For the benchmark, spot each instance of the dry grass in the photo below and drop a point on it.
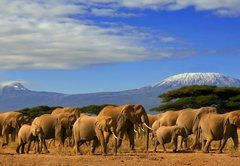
(139, 146)
(67, 157)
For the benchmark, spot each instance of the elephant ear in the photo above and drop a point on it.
(128, 112)
(101, 123)
(234, 118)
(72, 118)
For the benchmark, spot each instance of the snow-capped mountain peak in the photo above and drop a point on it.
(187, 79)
(12, 87)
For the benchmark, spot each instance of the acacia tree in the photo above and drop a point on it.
(196, 96)
(44, 109)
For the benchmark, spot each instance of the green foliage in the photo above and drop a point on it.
(40, 110)
(196, 96)
(37, 111)
(93, 109)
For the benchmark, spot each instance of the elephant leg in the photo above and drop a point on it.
(18, 147)
(22, 149)
(100, 137)
(147, 138)
(156, 143)
(5, 138)
(206, 147)
(174, 143)
(185, 141)
(36, 144)
(45, 146)
(95, 144)
(195, 141)
(78, 144)
(13, 136)
(224, 141)
(29, 145)
(235, 140)
(121, 134)
(130, 134)
(164, 149)
(219, 146)
(180, 143)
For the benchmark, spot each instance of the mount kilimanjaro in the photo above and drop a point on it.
(15, 96)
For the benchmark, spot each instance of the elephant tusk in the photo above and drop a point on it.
(142, 129)
(115, 136)
(147, 126)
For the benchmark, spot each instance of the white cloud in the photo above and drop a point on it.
(40, 35)
(10, 82)
(111, 13)
(167, 39)
(219, 7)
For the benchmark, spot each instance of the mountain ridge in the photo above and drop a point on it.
(16, 96)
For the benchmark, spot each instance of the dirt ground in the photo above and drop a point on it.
(229, 158)
(67, 157)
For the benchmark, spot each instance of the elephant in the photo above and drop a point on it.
(88, 128)
(219, 127)
(27, 134)
(73, 112)
(125, 117)
(10, 122)
(188, 119)
(167, 118)
(152, 118)
(25, 120)
(166, 134)
(54, 127)
(68, 110)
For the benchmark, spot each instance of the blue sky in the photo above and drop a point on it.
(108, 45)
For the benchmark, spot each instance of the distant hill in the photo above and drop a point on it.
(15, 96)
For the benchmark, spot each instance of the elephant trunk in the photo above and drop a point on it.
(145, 122)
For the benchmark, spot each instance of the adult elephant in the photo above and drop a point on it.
(152, 118)
(54, 127)
(88, 128)
(73, 112)
(67, 110)
(10, 122)
(188, 119)
(219, 127)
(126, 116)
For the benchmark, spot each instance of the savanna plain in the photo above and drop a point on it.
(67, 156)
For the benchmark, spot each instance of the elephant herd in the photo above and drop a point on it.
(69, 125)
(204, 124)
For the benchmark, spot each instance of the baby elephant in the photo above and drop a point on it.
(166, 134)
(27, 134)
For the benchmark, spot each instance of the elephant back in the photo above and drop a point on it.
(69, 110)
(112, 111)
(47, 123)
(24, 133)
(84, 127)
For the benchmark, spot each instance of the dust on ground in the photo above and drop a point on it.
(9, 157)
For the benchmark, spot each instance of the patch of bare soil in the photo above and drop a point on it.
(9, 157)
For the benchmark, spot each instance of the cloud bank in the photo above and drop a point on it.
(38, 34)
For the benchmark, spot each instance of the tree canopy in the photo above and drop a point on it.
(196, 96)
(37, 111)
(40, 110)
(93, 109)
